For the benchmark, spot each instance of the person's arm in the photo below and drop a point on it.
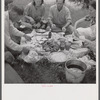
(11, 44)
(93, 47)
(29, 19)
(27, 10)
(50, 17)
(27, 14)
(68, 18)
(43, 13)
(68, 23)
(8, 41)
(14, 46)
(92, 38)
(26, 24)
(16, 32)
(79, 21)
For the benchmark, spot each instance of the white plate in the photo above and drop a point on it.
(40, 30)
(58, 57)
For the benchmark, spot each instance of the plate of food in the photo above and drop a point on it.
(40, 30)
(57, 57)
(50, 46)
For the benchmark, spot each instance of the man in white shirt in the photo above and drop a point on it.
(11, 16)
(59, 16)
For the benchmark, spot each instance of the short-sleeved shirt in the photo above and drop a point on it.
(59, 18)
(31, 11)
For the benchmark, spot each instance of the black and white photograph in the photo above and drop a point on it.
(50, 42)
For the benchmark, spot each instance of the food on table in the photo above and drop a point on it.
(50, 46)
(62, 45)
(62, 39)
(32, 57)
(58, 57)
(69, 38)
(76, 44)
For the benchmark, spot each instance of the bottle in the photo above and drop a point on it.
(50, 34)
(62, 45)
(67, 45)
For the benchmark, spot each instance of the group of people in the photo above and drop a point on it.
(33, 16)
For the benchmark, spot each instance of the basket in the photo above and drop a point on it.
(75, 71)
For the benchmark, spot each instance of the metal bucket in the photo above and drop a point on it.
(75, 71)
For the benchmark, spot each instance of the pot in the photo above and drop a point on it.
(75, 71)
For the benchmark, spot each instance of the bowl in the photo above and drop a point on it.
(57, 57)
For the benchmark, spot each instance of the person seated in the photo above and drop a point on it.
(89, 32)
(34, 13)
(11, 16)
(60, 18)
